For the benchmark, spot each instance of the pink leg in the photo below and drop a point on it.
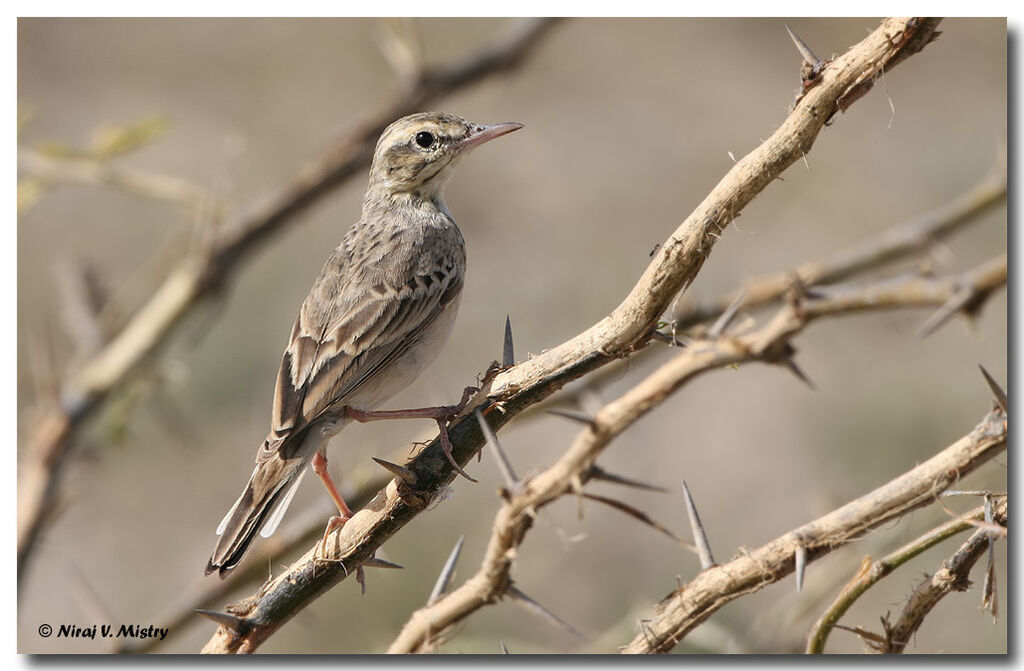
(440, 414)
(320, 468)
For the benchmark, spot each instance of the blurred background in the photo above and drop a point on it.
(629, 123)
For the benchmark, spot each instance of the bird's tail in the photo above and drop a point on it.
(258, 510)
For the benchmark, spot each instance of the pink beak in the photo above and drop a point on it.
(486, 133)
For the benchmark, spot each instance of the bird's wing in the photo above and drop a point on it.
(354, 322)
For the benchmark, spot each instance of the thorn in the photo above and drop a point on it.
(805, 51)
(377, 562)
(504, 650)
(574, 415)
(997, 391)
(635, 513)
(699, 536)
(598, 473)
(790, 365)
(967, 492)
(402, 472)
(989, 599)
(801, 564)
(361, 579)
(955, 303)
(666, 338)
(726, 317)
(446, 572)
(232, 622)
(508, 355)
(511, 481)
(532, 606)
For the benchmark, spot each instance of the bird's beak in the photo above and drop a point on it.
(486, 133)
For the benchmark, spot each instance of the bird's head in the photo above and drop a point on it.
(416, 153)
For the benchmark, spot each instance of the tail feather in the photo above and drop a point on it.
(266, 495)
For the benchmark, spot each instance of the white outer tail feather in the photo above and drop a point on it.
(275, 519)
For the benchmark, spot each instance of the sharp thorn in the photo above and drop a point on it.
(801, 564)
(361, 579)
(955, 303)
(504, 650)
(699, 536)
(232, 622)
(790, 365)
(804, 50)
(997, 391)
(446, 573)
(574, 415)
(508, 352)
(637, 514)
(376, 562)
(402, 472)
(532, 606)
(509, 475)
(598, 473)
(726, 317)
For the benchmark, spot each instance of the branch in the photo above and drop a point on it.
(629, 326)
(951, 576)
(101, 173)
(895, 243)
(208, 270)
(575, 468)
(684, 609)
(872, 571)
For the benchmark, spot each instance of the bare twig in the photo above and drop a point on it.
(200, 274)
(629, 326)
(685, 608)
(896, 243)
(873, 570)
(951, 576)
(102, 173)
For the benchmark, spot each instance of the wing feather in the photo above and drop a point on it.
(356, 320)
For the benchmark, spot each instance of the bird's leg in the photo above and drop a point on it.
(440, 414)
(320, 468)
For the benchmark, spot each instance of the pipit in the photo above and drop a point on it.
(378, 313)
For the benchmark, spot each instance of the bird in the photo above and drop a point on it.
(378, 313)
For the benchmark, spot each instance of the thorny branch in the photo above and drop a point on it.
(895, 243)
(951, 576)
(688, 606)
(208, 270)
(628, 327)
(871, 571)
(568, 475)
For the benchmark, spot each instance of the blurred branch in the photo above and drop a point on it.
(628, 327)
(952, 576)
(689, 605)
(200, 274)
(872, 571)
(94, 172)
(568, 475)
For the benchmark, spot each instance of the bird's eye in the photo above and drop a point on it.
(425, 139)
